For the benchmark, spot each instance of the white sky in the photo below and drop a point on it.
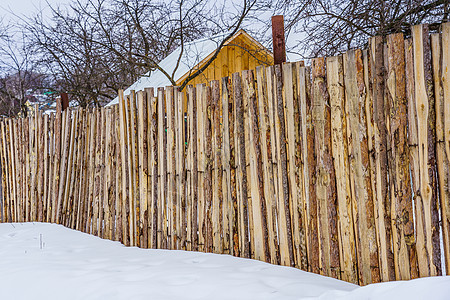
(24, 7)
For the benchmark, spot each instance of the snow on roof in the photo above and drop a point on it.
(193, 53)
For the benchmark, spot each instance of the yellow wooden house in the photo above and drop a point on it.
(240, 52)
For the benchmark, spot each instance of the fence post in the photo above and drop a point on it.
(278, 41)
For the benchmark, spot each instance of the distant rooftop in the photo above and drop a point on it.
(193, 53)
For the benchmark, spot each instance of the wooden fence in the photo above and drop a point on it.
(341, 168)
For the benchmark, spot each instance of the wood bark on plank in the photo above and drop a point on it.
(153, 165)
(217, 170)
(74, 187)
(225, 166)
(266, 131)
(255, 172)
(284, 217)
(181, 168)
(26, 147)
(143, 166)
(201, 163)
(347, 238)
(125, 172)
(56, 175)
(360, 168)
(171, 192)
(292, 119)
(162, 167)
(441, 76)
(325, 180)
(382, 203)
(134, 171)
(18, 165)
(193, 165)
(401, 205)
(208, 170)
(426, 200)
(240, 161)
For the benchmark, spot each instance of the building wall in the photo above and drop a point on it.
(240, 54)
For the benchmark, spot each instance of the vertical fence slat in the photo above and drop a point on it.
(119, 180)
(382, 198)
(359, 167)
(443, 131)
(180, 142)
(240, 162)
(347, 246)
(284, 218)
(18, 166)
(171, 188)
(125, 172)
(143, 167)
(256, 180)
(134, 171)
(292, 118)
(401, 200)
(425, 194)
(162, 228)
(325, 177)
(266, 132)
(153, 164)
(83, 158)
(193, 165)
(216, 152)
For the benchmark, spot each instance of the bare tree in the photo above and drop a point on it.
(93, 48)
(327, 27)
(19, 77)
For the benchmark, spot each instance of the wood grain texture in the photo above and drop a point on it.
(347, 242)
(400, 188)
(441, 64)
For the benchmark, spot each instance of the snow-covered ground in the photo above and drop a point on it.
(47, 261)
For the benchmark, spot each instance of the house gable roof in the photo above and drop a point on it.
(195, 54)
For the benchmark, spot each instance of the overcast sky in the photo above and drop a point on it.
(24, 7)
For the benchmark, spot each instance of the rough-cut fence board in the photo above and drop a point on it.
(440, 59)
(360, 168)
(293, 155)
(255, 171)
(401, 200)
(381, 199)
(335, 76)
(240, 162)
(284, 214)
(325, 177)
(427, 215)
(266, 128)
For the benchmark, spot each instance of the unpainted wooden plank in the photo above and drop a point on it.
(382, 203)
(427, 211)
(217, 168)
(192, 167)
(360, 176)
(347, 246)
(125, 174)
(255, 173)
(180, 141)
(325, 175)
(284, 218)
(441, 64)
(162, 163)
(398, 154)
(241, 162)
(266, 131)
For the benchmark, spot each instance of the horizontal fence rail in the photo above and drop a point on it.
(339, 168)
